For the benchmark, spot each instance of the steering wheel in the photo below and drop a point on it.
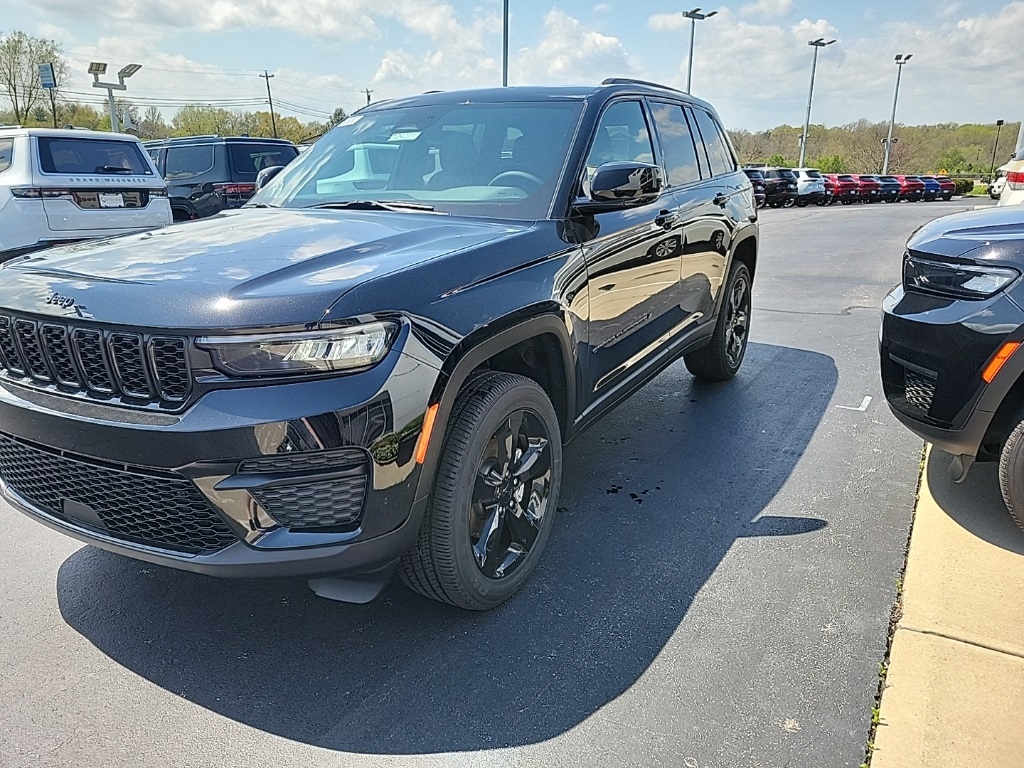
(517, 175)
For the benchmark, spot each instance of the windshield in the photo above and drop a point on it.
(476, 159)
(787, 174)
(91, 156)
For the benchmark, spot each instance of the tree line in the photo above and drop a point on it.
(949, 148)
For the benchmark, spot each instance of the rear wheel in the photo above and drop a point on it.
(722, 357)
(495, 495)
(1011, 474)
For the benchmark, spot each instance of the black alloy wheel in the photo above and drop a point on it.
(723, 355)
(495, 494)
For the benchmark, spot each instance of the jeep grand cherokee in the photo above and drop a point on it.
(350, 376)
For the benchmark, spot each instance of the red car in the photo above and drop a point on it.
(870, 188)
(846, 187)
(911, 188)
(947, 184)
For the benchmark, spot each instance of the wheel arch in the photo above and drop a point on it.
(538, 348)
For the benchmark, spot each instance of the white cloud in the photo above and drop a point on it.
(571, 52)
(767, 8)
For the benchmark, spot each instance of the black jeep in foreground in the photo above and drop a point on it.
(375, 363)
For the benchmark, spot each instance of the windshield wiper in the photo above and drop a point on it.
(375, 205)
(113, 169)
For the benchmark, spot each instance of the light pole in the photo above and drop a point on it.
(999, 127)
(98, 68)
(694, 16)
(504, 47)
(816, 44)
(901, 59)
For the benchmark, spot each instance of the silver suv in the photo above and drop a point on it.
(810, 186)
(64, 185)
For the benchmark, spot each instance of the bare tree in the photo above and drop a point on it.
(20, 57)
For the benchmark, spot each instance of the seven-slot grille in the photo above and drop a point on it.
(88, 361)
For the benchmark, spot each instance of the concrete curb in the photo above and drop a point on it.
(954, 691)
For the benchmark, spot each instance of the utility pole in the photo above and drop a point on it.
(273, 121)
(367, 91)
(901, 59)
(694, 16)
(504, 49)
(819, 43)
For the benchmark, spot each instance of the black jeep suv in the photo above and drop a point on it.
(375, 363)
(208, 174)
(952, 363)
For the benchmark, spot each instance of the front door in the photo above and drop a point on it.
(632, 263)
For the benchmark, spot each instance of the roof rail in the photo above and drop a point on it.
(634, 81)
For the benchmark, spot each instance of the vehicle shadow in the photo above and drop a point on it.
(975, 505)
(653, 498)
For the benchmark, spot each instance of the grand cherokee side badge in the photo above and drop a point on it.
(61, 301)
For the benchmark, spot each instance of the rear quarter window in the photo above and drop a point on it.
(248, 159)
(6, 154)
(188, 162)
(91, 156)
(719, 155)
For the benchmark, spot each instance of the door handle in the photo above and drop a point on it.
(667, 219)
(721, 199)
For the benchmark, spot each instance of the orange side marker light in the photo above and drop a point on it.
(428, 427)
(997, 362)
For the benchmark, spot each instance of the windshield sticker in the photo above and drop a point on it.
(352, 120)
(405, 136)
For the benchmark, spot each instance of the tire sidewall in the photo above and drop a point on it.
(738, 272)
(487, 591)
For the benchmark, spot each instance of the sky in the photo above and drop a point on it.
(751, 59)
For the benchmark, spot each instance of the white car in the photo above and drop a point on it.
(65, 185)
(810, 186)
(1013, 182)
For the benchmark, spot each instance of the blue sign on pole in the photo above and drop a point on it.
(47, 78)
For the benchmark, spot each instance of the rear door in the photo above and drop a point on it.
(88, 183)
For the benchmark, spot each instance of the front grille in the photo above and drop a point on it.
(161, 511)
(325, 504)
(135, 368)
(919, 389)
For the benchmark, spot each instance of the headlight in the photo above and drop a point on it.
(962, 281)
(339, 349)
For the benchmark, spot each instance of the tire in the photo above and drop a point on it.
(1011, 474)
(444, 565)
(775, 204)
(723, 356)
(789, 202)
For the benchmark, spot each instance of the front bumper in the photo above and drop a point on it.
(285, 480)
(933, 351)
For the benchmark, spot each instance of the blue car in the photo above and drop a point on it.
(932, 188)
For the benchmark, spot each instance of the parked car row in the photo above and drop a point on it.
(65, 185)
(776, 187)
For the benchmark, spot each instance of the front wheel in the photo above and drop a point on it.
(722, 357)
(1011, 474)
(495, 495)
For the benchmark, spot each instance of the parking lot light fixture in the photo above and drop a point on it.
(995, 147)
(98, 68)
(816, 44)
(694, 16)
(901, 59)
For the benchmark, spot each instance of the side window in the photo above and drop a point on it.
(187, 162)
(6, 154)
(621, 136)
(676, 143)
(719, 156)
(154, 155)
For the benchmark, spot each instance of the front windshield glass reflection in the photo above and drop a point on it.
(477, 159)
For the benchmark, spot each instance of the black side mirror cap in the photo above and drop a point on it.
(266, 175)
(621, 185)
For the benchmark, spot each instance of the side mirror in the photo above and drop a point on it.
(264, 176)
(621, 185)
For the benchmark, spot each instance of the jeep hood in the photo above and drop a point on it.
(247, 268)
(994, 232)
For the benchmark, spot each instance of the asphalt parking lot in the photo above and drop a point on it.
(717, 591)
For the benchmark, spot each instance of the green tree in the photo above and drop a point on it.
(20, 57)
(779, 160)
(339, 115)
(952, 160)
(833, 164)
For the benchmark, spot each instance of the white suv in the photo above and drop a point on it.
(810, 186)
(1012, 192)
(60, 186)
